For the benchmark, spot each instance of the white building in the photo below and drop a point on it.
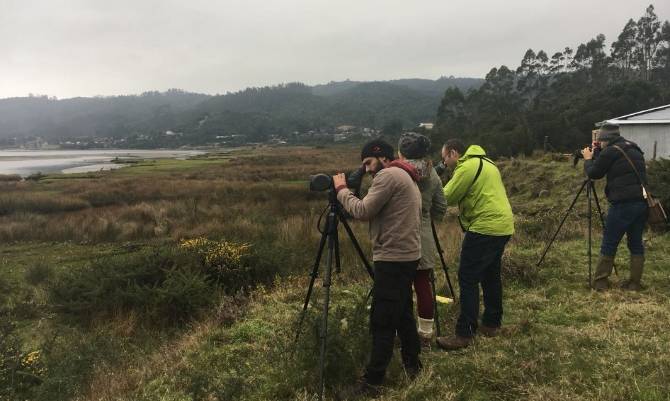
(650, 129)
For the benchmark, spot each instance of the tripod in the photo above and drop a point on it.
(440, 251)
(591, 195)
(329, 235)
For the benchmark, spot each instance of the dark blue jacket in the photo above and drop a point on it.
(622, 182)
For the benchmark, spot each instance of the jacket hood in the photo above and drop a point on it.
(411, 170)
(474, 150)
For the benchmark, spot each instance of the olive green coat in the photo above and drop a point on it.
(433, 207)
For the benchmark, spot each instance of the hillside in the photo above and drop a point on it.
(163, 281)
(254, 112)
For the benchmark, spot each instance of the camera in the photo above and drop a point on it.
(577, 154)
(324, 182)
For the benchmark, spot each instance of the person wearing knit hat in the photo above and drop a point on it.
(413, 148)
(627, 212)
(393, 208)
(608, 133)
(377, 148)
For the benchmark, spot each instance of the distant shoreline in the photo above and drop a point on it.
(25, 162)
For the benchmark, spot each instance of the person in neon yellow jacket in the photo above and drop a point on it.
(487, 220)
(483, 204)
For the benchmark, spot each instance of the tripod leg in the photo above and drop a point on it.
(567, 213)
(435, 311)
(444, 265)
(326, 302)
(590, 214)
(357, 246)
(314, 274)
(338, 265)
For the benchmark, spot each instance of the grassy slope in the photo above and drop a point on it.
(566, 341)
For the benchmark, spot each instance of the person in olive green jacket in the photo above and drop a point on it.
(487, 220)
(413, 148)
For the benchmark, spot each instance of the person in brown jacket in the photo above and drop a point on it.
(393, 208)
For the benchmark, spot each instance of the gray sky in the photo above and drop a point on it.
(69, 48)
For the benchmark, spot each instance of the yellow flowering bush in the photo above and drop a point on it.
(32, 362)
(224, 261)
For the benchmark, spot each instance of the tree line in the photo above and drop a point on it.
(559, 98)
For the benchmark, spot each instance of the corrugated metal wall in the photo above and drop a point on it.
(646, 135)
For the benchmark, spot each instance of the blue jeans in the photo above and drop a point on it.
(624, 218)
(480, 264)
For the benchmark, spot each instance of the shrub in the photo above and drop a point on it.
(35, 176)
(10, 178)
(38, 273)
(164, 286)
(19, 371)
(226, 263)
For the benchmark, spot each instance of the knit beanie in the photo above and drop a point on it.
(377, 148)
(608, 132)
(413, 145)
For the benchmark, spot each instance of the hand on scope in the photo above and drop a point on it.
(339, 180)
(587, 153)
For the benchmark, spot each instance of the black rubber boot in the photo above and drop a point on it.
(636, 267)
(603, 271)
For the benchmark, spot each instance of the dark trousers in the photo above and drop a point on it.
(480, 264)
(392, 312)
(624, 218)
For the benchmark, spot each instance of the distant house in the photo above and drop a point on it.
(428, 126)
(339, 137)
(650, 129)
(345, 128)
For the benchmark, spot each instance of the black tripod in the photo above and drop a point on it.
(328, 235)
(432, 278)
(592, 195)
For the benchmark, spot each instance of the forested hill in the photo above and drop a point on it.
(562, 96)
(256, 113)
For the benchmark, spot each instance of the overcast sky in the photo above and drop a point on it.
(68, 48)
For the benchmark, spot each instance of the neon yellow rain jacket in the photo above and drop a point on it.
(483, 204)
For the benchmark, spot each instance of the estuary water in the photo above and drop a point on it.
(26, 162)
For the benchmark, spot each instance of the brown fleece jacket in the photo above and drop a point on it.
(393, 208)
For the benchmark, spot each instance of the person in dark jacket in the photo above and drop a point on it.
(627, 213)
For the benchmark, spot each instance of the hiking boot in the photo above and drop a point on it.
(603, 271)
(636, 267)
(601, 284)
(413, 370)
(453, 343)
(487, 331)
(426, 340)
(362, 389)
